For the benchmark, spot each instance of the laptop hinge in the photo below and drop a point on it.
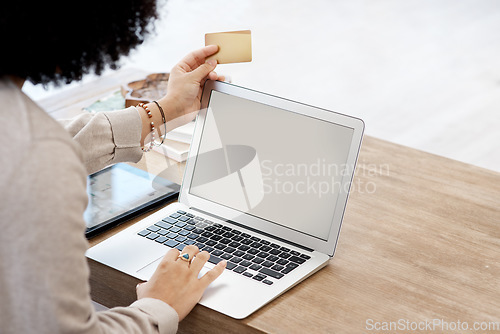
(253, 230)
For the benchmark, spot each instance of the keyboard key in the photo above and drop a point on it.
(211, 242)
(189, 227)
(259, 277)
(297, 259)
(240, 269)
(164, 225)
(228, 235)
(180, 247)
(282, 262)
(256, 245)
(284, 249)
(247, 274)
(267, 263)
(175, 215)
(153, 228)
(191, 221)
(180, 239)
(180, 224)
(258, 260)
(171, 235)
(245, 263)
(208, 249)
(245, 235)
(162, 232)
(271, 273)
(255, 239)
(214, 259)
(287, 270)
(227, 228)
(171, 243)
(189, 242)
(272, 258)
(152, 236)
(304, 256)
(216, 237)
(174, 229)
(268, 282)
(207, 234)
(295, 253)
(275, 246)
(230, 266)
(236, 232)
(229, 249)
(236, 259)
(183, 218)
(219, 231)
(190, 215)
(220, 246)
(246, 241)
(161, 239)
(198, 231)
(169, 220)
(202, 239)
(193, 236)
(264, 242)
(238, 253)
(285, 255)
(248, 256)
(277, 267)
(208, 221)
(234, 244)
(200, 245)
(255, 267)
(217, 252)
(265, 248)
(244, 248)
(226, 256)
(143, 233)
(217, 225)
(274, 251)
(225, 240)
(253, 251)
(262, 254)
(181, 212)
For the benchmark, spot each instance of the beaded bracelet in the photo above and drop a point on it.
(164, 123)
(148, 112)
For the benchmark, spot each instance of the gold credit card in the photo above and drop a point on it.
(234, 46)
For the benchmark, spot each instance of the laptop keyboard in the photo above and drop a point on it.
(250, 256)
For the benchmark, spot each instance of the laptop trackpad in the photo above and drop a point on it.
(146, 272)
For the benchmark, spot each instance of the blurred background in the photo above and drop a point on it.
(421, 73)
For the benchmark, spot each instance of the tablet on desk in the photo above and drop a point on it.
(121, 192)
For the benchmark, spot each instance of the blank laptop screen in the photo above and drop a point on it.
(271, 163)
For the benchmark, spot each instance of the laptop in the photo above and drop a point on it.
(265, 188)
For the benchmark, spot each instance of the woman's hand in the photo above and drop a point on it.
(185, 84)
(186, 81)
(176, 281)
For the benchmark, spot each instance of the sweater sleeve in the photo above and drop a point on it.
(51, 286)
(107, 137)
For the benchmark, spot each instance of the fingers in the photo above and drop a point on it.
(198, 57)
(204, 70)
(191, 250)
(199, 261)
(171, 255)
(215, 272)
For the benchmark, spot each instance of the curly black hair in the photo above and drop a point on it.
(60, 41)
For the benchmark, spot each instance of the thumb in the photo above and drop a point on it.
(203, 70)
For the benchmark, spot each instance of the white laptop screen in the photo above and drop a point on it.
(271, 163)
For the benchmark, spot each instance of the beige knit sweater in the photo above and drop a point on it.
(44, 275)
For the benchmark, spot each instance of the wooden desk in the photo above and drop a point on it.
(420, 241)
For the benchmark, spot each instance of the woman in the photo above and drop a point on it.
(43, 270)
